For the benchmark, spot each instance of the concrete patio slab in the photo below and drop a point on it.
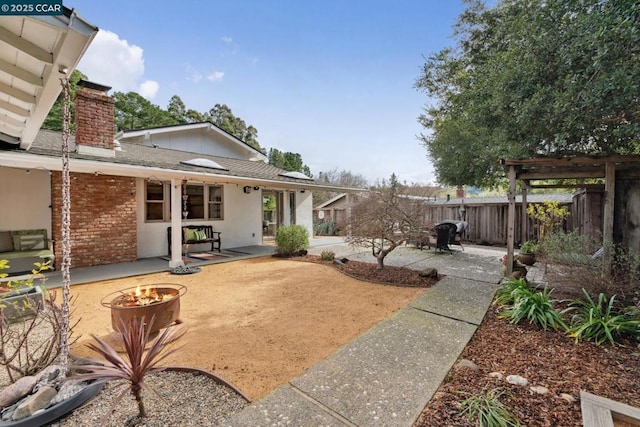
(457, 298)
(387, 375)
(286, 407)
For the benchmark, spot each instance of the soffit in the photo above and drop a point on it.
(33, 50)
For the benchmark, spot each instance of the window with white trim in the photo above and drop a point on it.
(215, 204)
(157, 201)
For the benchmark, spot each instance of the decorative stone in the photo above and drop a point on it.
(429, 273)
(17, 390)
(68, 389)
(40, 399)
(466, 364)
(497, 375)
(538, 389)
(517, 380)
(566, 396)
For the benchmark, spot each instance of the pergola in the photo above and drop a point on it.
(576, 169)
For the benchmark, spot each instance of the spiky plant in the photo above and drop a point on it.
(136, 365)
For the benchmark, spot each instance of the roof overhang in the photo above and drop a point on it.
(25, 160)
(35, 52)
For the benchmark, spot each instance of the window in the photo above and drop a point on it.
(158, 201)
(157, 206)
(215, 202)
(195, 201)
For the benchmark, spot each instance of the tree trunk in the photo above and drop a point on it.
(380, 262)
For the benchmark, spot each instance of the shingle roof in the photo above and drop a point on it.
(49, 143)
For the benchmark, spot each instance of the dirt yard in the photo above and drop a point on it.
(256, 323)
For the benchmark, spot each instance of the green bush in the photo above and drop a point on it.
(601, 321)
(536, 307)
(566, 247)
(488, 411)
(327, 255)
(508, 291)
(291, 239)
(328, 228)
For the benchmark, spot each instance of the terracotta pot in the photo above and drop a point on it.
(527, 259)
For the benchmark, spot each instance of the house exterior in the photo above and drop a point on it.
(128, 189)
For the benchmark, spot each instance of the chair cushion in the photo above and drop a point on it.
(200, 235)
(6, 241)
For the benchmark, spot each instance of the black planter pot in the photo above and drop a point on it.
(58, 410)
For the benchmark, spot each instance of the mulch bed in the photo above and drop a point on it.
(549, 359)
(368, 272)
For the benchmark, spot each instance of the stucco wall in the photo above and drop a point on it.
(26, 199)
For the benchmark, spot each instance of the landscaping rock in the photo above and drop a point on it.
(497, 375)
(538, 389)
(429, 273)
(68, 389)
(17, 390)
(466, 364)
(40, 399)
(517, 380)
(566, 396)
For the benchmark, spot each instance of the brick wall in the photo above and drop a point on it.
(103, 219)
(94, 118)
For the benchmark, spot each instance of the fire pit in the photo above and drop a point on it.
(161, 300)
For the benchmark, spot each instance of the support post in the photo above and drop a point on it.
(176, 224)
(607, 220)
(511, 216)
(524, 219)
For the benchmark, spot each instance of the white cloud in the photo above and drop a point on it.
(215, 76)
(227, 39)
(193, 75)
(148, 89)
(114, 62)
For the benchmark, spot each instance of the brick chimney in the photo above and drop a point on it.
(94, 120)
(460, 192)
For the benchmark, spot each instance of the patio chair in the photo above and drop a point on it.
(445, 234)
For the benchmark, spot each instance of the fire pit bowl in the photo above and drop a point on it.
(161, 300)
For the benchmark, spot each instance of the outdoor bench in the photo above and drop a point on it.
(24, 244)
(194, 234)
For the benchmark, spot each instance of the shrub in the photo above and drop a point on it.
(528, 247)
(291, 239)
(31, 344)
(488, 411)
(328, 228)
(600, 321)
(327, 255)
(510, 288)
(536, 307)
(137, 364)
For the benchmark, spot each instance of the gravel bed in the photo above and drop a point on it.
(188, 399)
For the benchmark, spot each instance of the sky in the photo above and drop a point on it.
(331, 80)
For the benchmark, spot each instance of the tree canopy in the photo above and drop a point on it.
(133, 111)
(531, 77)
(288, 161)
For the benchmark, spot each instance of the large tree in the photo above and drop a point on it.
(530, 77)
(288, 161)
(222, 116)
(54, 120)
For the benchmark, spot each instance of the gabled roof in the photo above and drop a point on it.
(35, 52)
(131, 135)
(330, 201)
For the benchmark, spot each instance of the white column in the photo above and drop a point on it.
(176, 224)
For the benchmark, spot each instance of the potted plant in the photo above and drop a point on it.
(527, 254)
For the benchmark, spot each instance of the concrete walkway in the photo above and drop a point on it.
(386, 376)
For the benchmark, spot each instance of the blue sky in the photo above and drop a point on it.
(330, 80)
